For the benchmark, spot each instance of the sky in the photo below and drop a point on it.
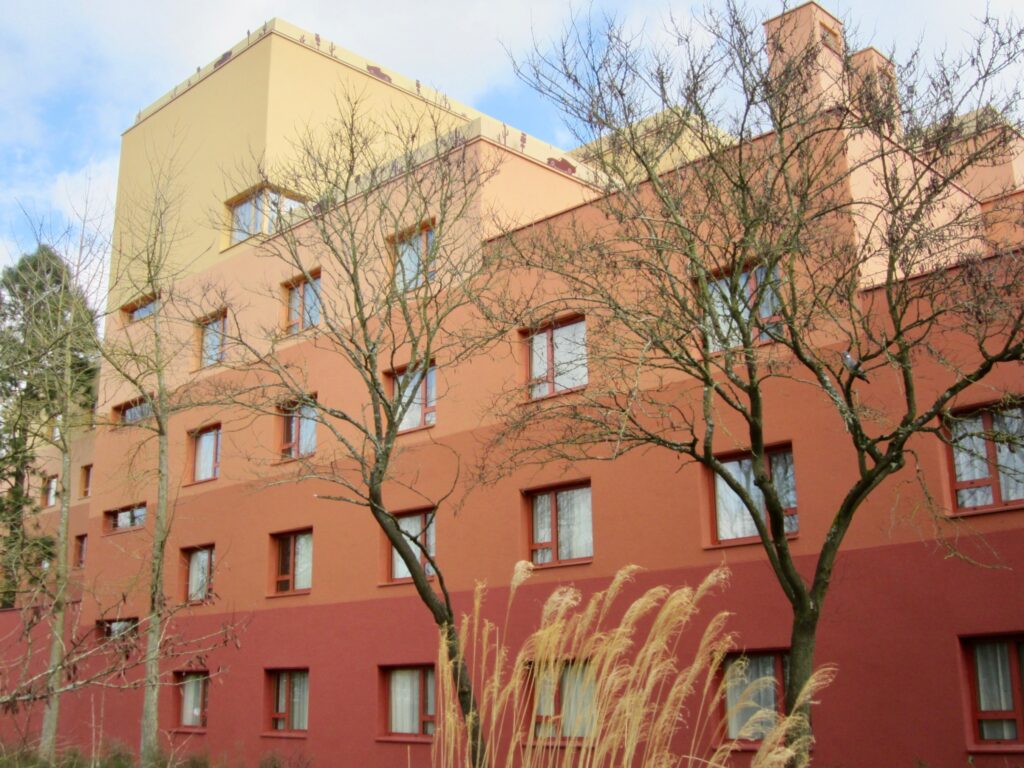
(74, 73)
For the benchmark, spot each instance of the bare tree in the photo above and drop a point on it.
(780, 215)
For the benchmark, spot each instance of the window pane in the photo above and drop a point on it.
(303, 560)
(992, 662)
(722, 328)
(410, 264)
(428, 707)
(198, 574)
(311, 303)
(192, 701)
(409, 388)
(307, 430)
(784, 478)
(545, 684)
(578, 706)
(281, 699)
(750, 695)
(284, 556)
(294, 306)
(969, 453)
(575, 531)
(542, 520)
(404, 701)
(570, 347)
(1008, 426)
(242, 224)
(206, 454)
(412, 526)
(300, 701)
(733, 517)
(213, 342)
(430, 541)
(539, 364)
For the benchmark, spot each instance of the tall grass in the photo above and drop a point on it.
(632, 700)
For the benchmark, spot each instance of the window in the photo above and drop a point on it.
(754, 684)
(129, 517)
(117, 628)
(134, 412)
(303, 303)
(211, 339)
(289, 691)
(299, 430)
(259, 213)
(732, 519)
(193, 689)
(997, 689)
(421, 394)
(81, 549)
(141, 309)
(558, 358)
(988, 458)
(206, 446)
(49, 496)
(200, 574)
(417, 527)
(411, 700)
(561, 525)
(294, 561)
(755, 290)
(413, 257)
(564, 701)
(86, 479)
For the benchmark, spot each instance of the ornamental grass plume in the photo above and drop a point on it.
(596, 685)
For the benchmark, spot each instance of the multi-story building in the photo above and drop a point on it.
(325, 628)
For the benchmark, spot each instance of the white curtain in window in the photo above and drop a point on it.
(575, 529)
(294, 305)
(410, 389)
(784, 480)
(410, 263)
(579, 714)
(213, 342)
(570, 348)
(995, 688)
(1008, 426)
(734, 521)
(192, 700)
(198, 574)
(542, 527)
(430, 706)
(722, 328)
(303, 560)
(300, 701)
(206, 454)
(545, 684)
(242, 224)
(307, 430)
(412, 527)
(970, 461)
(404, 701)
(539, 364)
(750, 695)
(311, 303)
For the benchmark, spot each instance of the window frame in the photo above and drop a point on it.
(424, 232)
(548, 379)
(552, 545)
(425, 719)
(426, 394)
(136, 517)
(121, 411)
(750, 286)
(789, 512)
(1015, 641)
(205, 324)
(187, 554)
(194, 437)
(294, 325)
(81, 550)
(993, 481)
(85, 481)
(266, 212)
(181, 679)
(286, 716)
(779, 672)
(50, 491)
(146, 305)
(105, 628)
(558, 704)
(291, 422)
(428, 532)
(279, 577)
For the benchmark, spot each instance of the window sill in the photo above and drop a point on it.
(1015, 506)
(207, 367)
(405, 738)
(996, 749)
(401, 582)
(550, 395)
(557, 742)
(744, 542)
(201, 482)
(420, 428)
(284, 735)
(293, 459)
(184, 730)
(119, 531)
(562, 563)
(290, 593)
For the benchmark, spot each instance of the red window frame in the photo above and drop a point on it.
(122, 411)
(427, 387)
(552, 545)
(137, 518)
(218, 323)
(105, 628)
(544, 723)
(1015, 714)
(140, 309)
(426, 720)
(275, 678)
(187, 553)
(86, 479)
(291, 431)
(740, 456)
(549, 375)
(991, 460)
(426, 516)
(751, 287)
(284, 562)
(779, 672)
(425, 233)
(215, 469)
(296, 321)
(204, 697)
(50, 491)
(81, 550)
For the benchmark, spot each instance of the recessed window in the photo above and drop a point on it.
(564, 700)
(117, 628)
(988, 458)
(411, 693)
(260, 213)
(754, 686)
(211, 339)
(134, 411)
(193, 691)
(81, 550)
(419, 530)
(732, 518)
(126, 518)
(413, 257)
(997, 689)
(419, 392)
(199, 586)
(293, 571)
(303, 303)
(140, 309)
(289, 699)
(745, 298)
(561, 525)
(206, 447)
(86, 481)
(299, 437)
(49, 495)
(558, 358)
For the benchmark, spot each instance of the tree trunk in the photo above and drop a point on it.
(803, 637)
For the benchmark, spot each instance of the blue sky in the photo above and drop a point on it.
(73, 73)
